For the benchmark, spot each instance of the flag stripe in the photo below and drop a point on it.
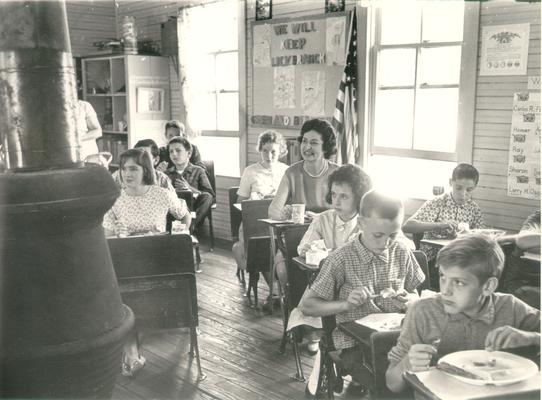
(345, 115)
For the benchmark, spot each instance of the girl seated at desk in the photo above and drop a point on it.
(260, 180)
(141, 208)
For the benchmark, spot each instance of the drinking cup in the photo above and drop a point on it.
(298, 213)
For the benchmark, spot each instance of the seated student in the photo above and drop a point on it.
(522, 277)
(188, 177)
(141, 208)
(351, 275)
(466, 315)
(260, 180)
(150, 147)
(440, 217)
(173, 129)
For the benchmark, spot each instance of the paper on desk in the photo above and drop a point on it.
(445, 387)
(297, 318)
(382, 321)
(531, 256)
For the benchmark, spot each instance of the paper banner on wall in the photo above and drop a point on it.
(313, 93)
(335, 39)
(261, 55)
(505, 49)
(524, 154)
(284, 87)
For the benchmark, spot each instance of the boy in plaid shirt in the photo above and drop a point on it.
(352, 275)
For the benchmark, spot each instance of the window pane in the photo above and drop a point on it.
(205, 73)
(443, 21)
(396, 67)
(400, 23)
(440, 65)
(228, 112)
(393, 118)
(394, 174)
(222, 20)
(227, 77)
(436, 119)
(224, 151)
(204, 111)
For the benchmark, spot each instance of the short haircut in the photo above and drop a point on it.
(175, 124)
(465, 171)
(141, 158)
(272, 137)
(326, 130)
(479, 253)
(353, 176)
(149, 143)
(380, 205)
(177, 139)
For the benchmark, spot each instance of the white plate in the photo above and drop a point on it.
(511, 368)
(494, 233)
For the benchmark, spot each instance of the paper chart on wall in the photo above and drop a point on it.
(524, 154)
(313, 93)
(505, 49)
(284, 87)
(335, 47)
(262, 46)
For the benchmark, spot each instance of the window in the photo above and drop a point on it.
(209, 55)
(420, 88)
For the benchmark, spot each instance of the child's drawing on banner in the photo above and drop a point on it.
(262, 46)
(335, 39)
(284, 87)
(313, 93)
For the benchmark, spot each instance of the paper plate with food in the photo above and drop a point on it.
(494, 233)
(481, 367)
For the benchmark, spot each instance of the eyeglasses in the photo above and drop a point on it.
(313, 142)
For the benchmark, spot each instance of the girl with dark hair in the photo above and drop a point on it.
(305, 182)
(141, 208)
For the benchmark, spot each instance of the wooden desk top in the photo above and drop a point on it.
(302, 263)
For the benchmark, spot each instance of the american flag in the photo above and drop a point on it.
(345, 117)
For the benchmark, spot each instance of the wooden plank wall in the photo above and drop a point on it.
(493, 117)
(90, 21)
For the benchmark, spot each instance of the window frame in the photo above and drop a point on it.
(241, 133)
(466, 89)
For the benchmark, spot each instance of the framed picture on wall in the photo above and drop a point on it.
(150, 100)
(334, 6)
(263, 9)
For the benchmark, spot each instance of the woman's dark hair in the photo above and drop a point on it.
(326, 130)
(148, 143)
(141, 158)
(353, 176)
(272, 137)
(184, 142)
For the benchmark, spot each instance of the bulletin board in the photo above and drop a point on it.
(297, 66)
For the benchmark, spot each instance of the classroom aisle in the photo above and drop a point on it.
(238, 347)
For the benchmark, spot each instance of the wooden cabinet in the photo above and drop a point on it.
(131, 96)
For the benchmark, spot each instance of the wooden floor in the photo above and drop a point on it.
(238, 347)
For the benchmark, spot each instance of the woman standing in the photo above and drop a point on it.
(140, 209)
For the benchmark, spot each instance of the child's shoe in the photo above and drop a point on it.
(132, 368)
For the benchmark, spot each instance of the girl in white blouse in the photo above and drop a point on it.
(141, 208)
(261, 180)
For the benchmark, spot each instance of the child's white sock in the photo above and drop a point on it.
(312, 385)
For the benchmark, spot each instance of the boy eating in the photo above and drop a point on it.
(353, 276)
(466, 315)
